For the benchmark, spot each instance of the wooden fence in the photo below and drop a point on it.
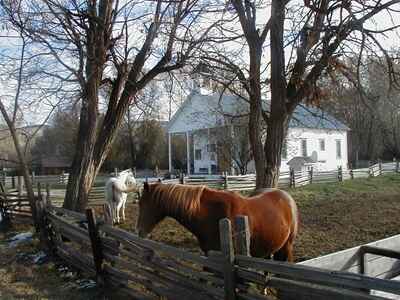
(145, 269)
(14, 206)
(229, 182)
(288, 179)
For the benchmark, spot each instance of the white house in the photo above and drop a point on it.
(205, 118)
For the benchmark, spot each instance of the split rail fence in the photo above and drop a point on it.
(146, 269)
(289, 179)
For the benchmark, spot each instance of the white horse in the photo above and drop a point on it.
(116, 192)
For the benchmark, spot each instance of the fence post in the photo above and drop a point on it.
(351, 174)
(13, 182)
(292, 181)
(182, 178)
(225, 177)
(340, 174)
(380, 166)
(225, 231)
(397, 166)
(3, 207)
(108, 218)
(370, 170)
(44, 234)
(19, 188)
(242, 237)
(310, 174)
(48, 201)
(96, 244)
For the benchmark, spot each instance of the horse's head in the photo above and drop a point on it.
(149, 212)
(129, 178)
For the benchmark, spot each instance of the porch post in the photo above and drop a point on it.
(169, 153)
(187, 152)
(208, 150)
(233, 152)
(194, 154)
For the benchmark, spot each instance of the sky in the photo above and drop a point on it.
(37, 103)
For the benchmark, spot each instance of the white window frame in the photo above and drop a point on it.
(339, 154)
(303, 142)
(322, 142)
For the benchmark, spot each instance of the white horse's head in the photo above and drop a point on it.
(127, 177)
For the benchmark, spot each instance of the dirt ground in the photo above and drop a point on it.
(333, 217)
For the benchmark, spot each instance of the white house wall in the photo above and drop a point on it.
(327, 159)
(200, 141)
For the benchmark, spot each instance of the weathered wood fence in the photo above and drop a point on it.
(288, 179)
(13, 205)
(146, 269)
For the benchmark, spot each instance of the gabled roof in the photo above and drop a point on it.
(204, 109)
(312, 117)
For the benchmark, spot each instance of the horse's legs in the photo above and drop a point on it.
(119, 205)
(112, 208)
(123, 210)
(286, 252)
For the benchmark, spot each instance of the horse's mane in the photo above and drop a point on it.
(178, 198)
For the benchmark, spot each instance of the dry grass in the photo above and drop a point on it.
(334, 216)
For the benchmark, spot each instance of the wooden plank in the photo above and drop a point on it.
(305, 273)
(225, 231)
(242, 237)
(96, 244)
(298, 290)
(346, 259)
(71, 231)
(77, 259)
(69, 213)
(123, 237)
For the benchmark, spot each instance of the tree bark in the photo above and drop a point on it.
(255, 119)
(279, 115)
(22, 161)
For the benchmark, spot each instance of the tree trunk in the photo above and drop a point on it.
(23, 163)
(255, 119)
(82, 171)
(276, 132)
(279, 115)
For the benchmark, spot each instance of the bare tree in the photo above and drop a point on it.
(24, 89)
(305, 40)
(117, 46)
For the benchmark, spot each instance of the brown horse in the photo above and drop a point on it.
(273, 217)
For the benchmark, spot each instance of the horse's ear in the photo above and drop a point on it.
(146, 186)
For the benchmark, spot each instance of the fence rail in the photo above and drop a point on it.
(288, 179)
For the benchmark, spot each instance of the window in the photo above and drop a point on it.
(197, 154)
(304, 147)
(322, 145)
(284, 149)
(212, 156)
(211, 148)
(338, 149)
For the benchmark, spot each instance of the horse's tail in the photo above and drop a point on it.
(113, 196)
(295, 218)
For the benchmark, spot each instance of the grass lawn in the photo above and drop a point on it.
(337, 216)
(334, 216)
